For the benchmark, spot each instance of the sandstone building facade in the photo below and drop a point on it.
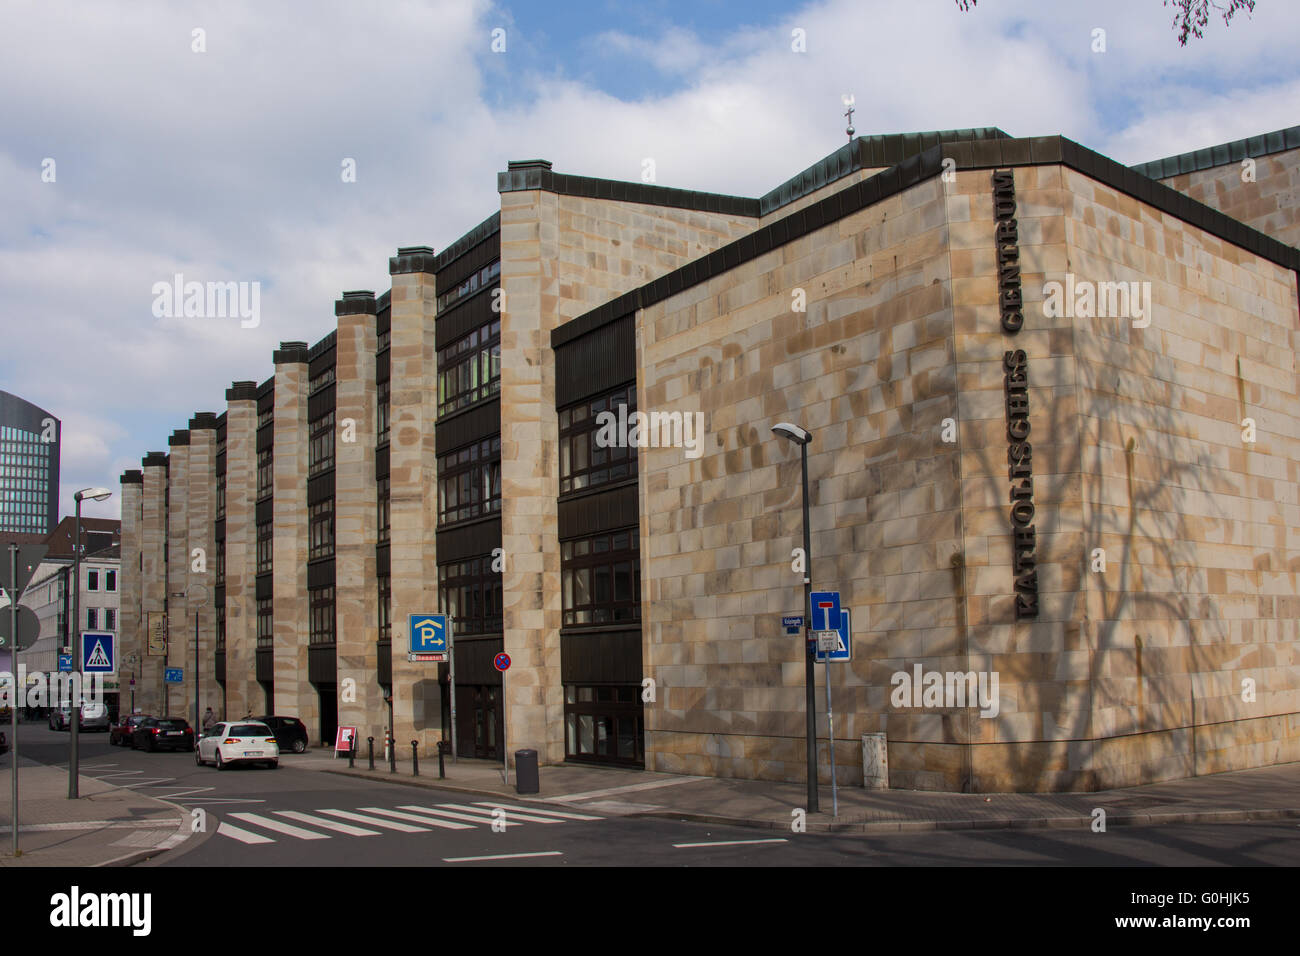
(1055, 439)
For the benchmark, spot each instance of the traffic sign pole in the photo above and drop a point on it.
(451, 647)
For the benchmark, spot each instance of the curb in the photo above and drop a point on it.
(900, 826)
(1019, 823)
(178, 838)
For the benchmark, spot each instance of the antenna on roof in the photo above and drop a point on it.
(848, 101)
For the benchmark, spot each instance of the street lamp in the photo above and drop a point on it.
(802, 438)
(94, 494)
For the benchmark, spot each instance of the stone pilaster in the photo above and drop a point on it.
(294, 693)
(242, 694)
(153, 579)
(414, 485)
(361, 701)
(130, 631)
(201, 584)
(175, 696)
(534, 696)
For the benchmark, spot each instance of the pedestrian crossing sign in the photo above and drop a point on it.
(98, 653)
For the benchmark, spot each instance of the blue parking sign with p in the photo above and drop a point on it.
(428, 633)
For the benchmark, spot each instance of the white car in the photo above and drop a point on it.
(237, 741)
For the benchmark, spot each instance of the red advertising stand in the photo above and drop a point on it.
(345, 742)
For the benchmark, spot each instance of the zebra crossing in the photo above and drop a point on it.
(269, 826)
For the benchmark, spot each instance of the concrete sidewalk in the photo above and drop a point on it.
(1268, 793)
(106, 826)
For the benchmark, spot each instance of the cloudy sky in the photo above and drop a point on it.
(226, 164)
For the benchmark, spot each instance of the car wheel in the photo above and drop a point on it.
(299, 746)
(221, 764)
(198, 758)
(274, 765)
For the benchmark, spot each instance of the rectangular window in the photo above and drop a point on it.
(469, 370)
(92, 618)
(320, 530)
(264, 540)
(320, 450)
(92, 580)
(588, 458)
(385, 608)
(265, 475)
(470, 592)
(320, 615)
(384, 391)
(603, 724)
(385, 514)
(265, 623)
(600, 578)
(221, 563)
(265, 416)
(221, 496)
(221, 628)
(469, 482)
(326, 377)
(110, 580)
(110, 619)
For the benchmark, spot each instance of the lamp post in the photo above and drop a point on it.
(94, 494)
(802, 438)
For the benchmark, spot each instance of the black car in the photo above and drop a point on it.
(163, 733)
(290, 733)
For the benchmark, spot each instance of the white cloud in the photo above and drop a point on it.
(225, 165)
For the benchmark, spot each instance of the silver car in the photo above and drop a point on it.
(93, 717)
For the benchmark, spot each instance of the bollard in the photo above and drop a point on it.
(371, 741)
(415, 758)
(352, 753)
(390, 744)
(442, 770)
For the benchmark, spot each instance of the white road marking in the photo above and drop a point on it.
(472, 818)
(568, 797)
(386, 824)
(487, 814)
(325, 824)
(278, 827)
(681, 846)
(499, 856)
(243, 836)
(427, 821)
(551, 813)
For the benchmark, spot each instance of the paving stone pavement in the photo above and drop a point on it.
(106, 826)
(1267, 793)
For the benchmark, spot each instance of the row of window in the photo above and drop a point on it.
(469, 370)
(93, 618)
(471, 284)
(587, 457)
(93, 579)
(469, 482)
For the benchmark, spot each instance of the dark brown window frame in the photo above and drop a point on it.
(480, 352)
(584, 464)
(471, 581)
(473, 471)
(584, 559)
(320, 529)
(321, 624)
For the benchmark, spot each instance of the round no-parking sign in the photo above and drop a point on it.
(501, 662)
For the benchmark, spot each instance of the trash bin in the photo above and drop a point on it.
(526, 771)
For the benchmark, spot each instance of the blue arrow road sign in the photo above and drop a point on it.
(65, 663)
(174, 675)
(98, 653)
(428, 633)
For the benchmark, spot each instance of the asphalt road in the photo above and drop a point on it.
(299, 817)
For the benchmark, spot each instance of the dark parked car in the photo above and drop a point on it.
(290, 732)
(123, 732)
(163, 733)
(4, 743)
